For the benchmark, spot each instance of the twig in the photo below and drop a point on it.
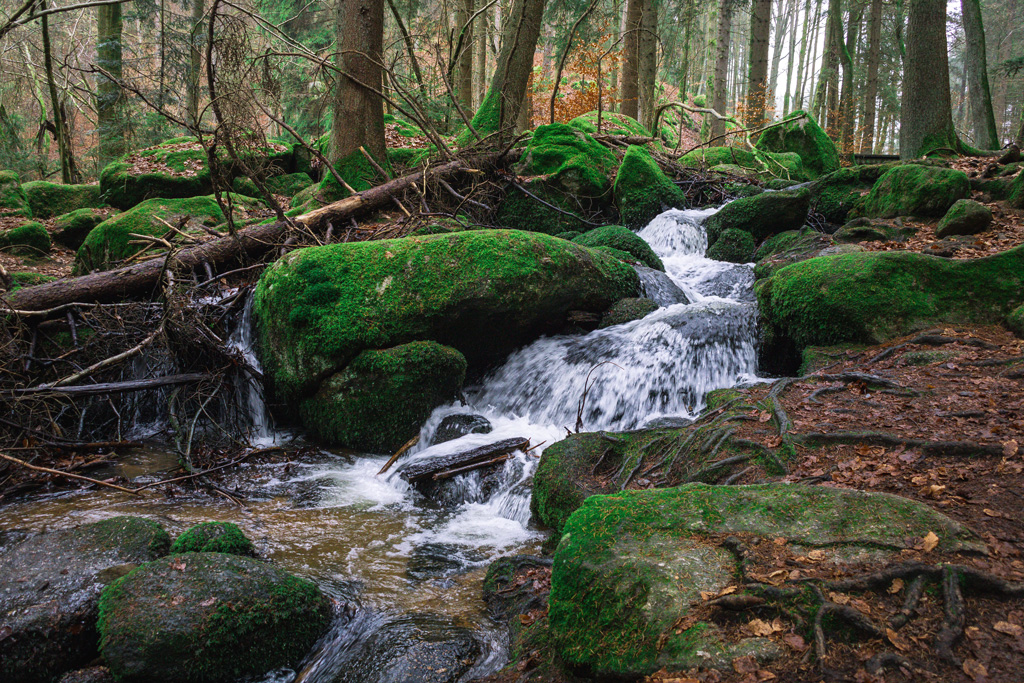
(59, 473)
(399, 453)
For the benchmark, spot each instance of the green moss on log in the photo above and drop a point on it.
(13, 201)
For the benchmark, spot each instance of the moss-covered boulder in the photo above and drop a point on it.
(623, 239)
(915, 190)
(743, 162)
(630, 566)
(407, 157)
(50, 199)
(707, 157)
(110, 241)
(482, 292)
(13, 201)
(870, 297)
(965, 217)
(733, 246)
(867, 230)
(762, 216)
(378, 402)
(1015, 321)
(287, 184)
(50, 587)
(71, 229)
(521, 211)
(628, 310)
(612, 123)
(572, 161)
(213, 537)
(642, 190)
(806, 138)
(208, 617)
(27, 239)
(1016, 195)
(840, 192)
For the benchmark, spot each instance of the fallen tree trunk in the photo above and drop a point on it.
(443, 466)
(142, 279)
(115, 387)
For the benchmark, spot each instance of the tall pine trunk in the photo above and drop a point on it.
(648, 63)
(847, 118)
(757, 71)
(718, 99)
(982, 116)
(464, 59)
(629, 85)
(926, 115)
(60, 127)
(195, 63)
(110, 122)
(871, 89)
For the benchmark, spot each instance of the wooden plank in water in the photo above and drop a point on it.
(441, 464)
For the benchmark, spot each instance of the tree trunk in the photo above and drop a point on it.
(846, 51)
(60, 127)
(976, 63)
(616, 23)
(629, 86)
(871, 91)
(358, 111)
(757, 72)
(464, 59)
(195, 63)
(480, 47)
(826, 99)
(926, 115)
(809, 71)
(110, 114)
(787, 98)
(648, 63)
(721, 65)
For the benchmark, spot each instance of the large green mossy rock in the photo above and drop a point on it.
(630, 566)
(621, 238)
(572, 161)
(71, 229)
(733, 246)
(707, 157)
(213, 537)
(208, 617)
(874, 296)
(50, 199)
(28, 239)
(840, 192)
(378, 402)
(915, 190)
(965, 217)
(737, 161)
(762, 216)
(807, 139)
(481, 292)
(13, 201)
(110, 241)
(1016, 195)
(288, 185)
(520, 211)
(642, 190)
(50, 587)
(1015, 321)
(611, 124)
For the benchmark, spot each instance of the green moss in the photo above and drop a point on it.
(874, 296)
(378, 402)
(816, 358)
(407, 157)
(288, 185)
(519, 211)
(438, 225)
(783, 241)
(213, 537)
(928, 357)
(779, 184)
(763, 215)
(402, 127)
(733, 246)
(840, 192)
(707, 157)
(357, 171)
(915, 190)
(27, 279)
(807, 139)
(628, 310)
(30, 239)
(623, 239)
(50, 199)
(965, 217)
(864, 230)
(13, 201)
(569, 235)
(739, 189)
(109, 242)
(719, 397)
(611, 124)
(642, 191)
(1016, 197)
(72, 228)
(1015, 321)
(572, 161)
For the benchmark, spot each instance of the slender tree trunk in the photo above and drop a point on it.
(926, 115)
(109, 99)
(807, 94)
(648, 62)
(976, 62)
(481, 58)
(195, 63)
(871, 90)
(757, 72)
(613, 86)
(410, 47)
(684, 70)
(782, 22)
(629, 86)
(826, 99)
(798, 87)
(358, 111)
(787, 98)
(464, 72)
(847, 49)
(721, 65)
(60, 129)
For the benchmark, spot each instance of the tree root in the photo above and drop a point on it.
(952, 448)
(910, 603)
(953, 621)
(888, 660)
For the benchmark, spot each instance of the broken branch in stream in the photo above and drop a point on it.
(69, 475)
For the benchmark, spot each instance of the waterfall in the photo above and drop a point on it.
(249, 386)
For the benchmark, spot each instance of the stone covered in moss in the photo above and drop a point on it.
(874, 296)
(208, 617)
(762, 216)
(72, 228)
(1015, 321)
(842, 191)
(623, 239)
(520, 211)
(631, 565)
(612, 123)
(482, 292)
(628, 310)
(50, 199)
(866, 230)
(109, 242)
(288, 185)
(642, 190)
(357, 171)
(50, 586)
(733, 246)
(378, 402)
(915, 190)
(806, 138)
(707, 157)
(28, 239)
(1016, 194)
(738, 161)
(573, 161)
(966, 217)
(13, 201)
(407, 156)
(213, 537)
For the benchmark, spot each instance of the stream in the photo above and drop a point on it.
(407, 569)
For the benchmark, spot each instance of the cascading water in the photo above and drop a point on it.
(248, 387)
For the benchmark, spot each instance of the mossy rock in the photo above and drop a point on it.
(965, 217)
(109, 242)
(915, 190)
(378, 402)
(288, 185)
(805, 138)
(213, 537)
(871, 297)
(482, 292)
(1015, 321)
(611, 124)
(817, 358)
(208, 617)
(519, 211)
(357, 171)
(642, 190)
(788, 240)
(780, 184)
(407, 157)
(994, 189)
(50, 199)
(623, 239)
(709, 157)
(50, 587)
(734, 170)
(572, 161)
(569, 235)
(842, 191)
(438, 225)
(628, 310)
(71, 229)
(13, 201)
(631, 565)
(28, 239)
(403, 127)
(1016, 195)
(866, 230)
(733, 246)
(763, 215)
(740, 190)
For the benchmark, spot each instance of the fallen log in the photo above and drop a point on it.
(444, 466)
(252, 242)
(113, 387)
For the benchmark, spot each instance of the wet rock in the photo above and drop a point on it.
(628, 310)
(622, 239)
(94, 674)
(50, 586)
(762, 216)
(642, 190)
(966, 217)
(866, 230)
(660, 288)
(504, 596)
(733, 246)
(441, 560)
(457, 426)
(208, 617)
